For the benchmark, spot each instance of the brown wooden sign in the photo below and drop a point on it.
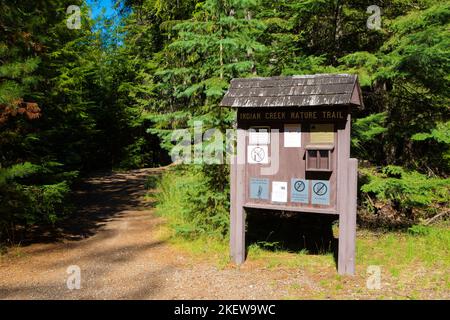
(295, 157)
(293, 115)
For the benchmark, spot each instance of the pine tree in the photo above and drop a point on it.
(408, 79)
(192, 72)
(19, 57)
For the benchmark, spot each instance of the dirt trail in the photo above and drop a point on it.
(117, 245)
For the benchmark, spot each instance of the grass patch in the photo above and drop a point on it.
(192, 209)
(209, 250)
(398, 249)
(151, 182)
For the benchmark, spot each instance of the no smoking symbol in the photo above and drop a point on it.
(320, 188)
(258, 154)
(299, 186)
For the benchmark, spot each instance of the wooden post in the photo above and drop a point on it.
(233, 168)
(237, 213)
(343, 154)
(347, 223)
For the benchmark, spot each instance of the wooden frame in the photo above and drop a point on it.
(332, 178)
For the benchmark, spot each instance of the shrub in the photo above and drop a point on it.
(151, 182)
(32, 194)
(194, 207)
(410, 193)
(419, 230)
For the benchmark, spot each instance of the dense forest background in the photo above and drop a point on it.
(109, 94)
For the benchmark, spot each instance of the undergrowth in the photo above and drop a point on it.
(192, 207)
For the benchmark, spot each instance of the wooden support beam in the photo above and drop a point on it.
(347, 223)
(233, 168)
(237, 212)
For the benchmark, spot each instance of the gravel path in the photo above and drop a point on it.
(117, 246)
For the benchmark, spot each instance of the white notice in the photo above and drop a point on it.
(279, 191)
(292, 136)
(258, 136)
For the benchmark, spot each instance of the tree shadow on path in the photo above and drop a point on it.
(98, 199)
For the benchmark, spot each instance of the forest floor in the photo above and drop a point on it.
(124, 251)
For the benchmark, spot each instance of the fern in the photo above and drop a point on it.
(407, 189)
(16, 171)
(365, 131)
(440, 134)
(33, 194)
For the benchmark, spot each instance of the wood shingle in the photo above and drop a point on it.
(292, 91)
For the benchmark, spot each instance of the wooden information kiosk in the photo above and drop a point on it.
(293, 152)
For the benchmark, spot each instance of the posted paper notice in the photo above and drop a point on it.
(279, 191)
(292, 136)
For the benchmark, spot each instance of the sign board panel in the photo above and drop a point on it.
(294, 175)
(292, 136)
(279, 191)
(320, 192)
(259, 188)
(257, 154)
(293, 115)
(322, 133)
(299, 190)
(258, 136)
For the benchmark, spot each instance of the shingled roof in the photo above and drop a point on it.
(294, 91)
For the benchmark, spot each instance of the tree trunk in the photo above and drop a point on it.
(337, 34)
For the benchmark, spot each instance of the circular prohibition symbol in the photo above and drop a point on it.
(299, 186)
(320, 188)
(258, 154)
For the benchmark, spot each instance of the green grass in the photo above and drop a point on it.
(192, 209)
(151, 182)
(170, 204)
(397, 249)
(211, 250)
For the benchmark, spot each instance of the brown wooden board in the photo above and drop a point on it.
(273, 159)
(292, 161)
